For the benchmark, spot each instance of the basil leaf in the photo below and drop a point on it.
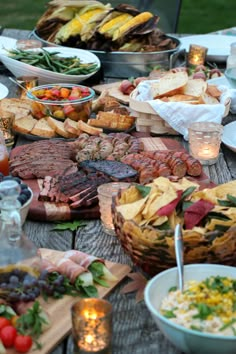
(72, 226)
(232, 199)
(144, 190)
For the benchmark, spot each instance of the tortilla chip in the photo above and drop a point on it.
(130, 195)
(161, 220)
(131, 210)
(218, 192)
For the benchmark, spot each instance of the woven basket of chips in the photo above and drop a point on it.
(144, 222)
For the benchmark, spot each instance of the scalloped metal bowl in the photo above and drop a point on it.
(19, 68)
(187, 341)
(127, 64)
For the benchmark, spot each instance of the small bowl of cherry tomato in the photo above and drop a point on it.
(61, 101)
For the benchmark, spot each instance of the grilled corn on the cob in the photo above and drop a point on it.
(132, 23)
(109, 27)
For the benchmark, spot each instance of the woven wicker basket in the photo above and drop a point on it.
(153, 250)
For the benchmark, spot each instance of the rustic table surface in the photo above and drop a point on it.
(134, 331)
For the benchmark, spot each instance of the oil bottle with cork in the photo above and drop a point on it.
(19, 258)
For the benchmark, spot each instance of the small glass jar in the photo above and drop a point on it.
(231, 60)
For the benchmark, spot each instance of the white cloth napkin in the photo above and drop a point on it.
(180, 115)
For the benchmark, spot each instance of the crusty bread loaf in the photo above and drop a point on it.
(112, 120)
(58, 126)
(87, 128)
(71, 126)
(24, 125)
(195, 87)
(42, 128)
(169, 84)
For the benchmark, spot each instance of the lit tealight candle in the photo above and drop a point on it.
(91, 326)
(196, 55)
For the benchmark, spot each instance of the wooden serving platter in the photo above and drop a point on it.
(113, 91)
(59, 310)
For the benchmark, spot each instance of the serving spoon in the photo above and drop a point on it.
(179, 253)
(23, 88)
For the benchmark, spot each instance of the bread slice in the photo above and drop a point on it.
(208, 99)
(112, 120)
(195, 87)
(24, 125)
(182, 98)
(58, 126)
(170, 84)
(42, 128)
(87, 128)
(71, 126)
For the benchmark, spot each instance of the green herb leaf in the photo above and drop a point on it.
(144, 190)
(72, 226)
(203, 311)
(169, 314)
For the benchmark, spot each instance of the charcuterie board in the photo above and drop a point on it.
(59, 310)
(113, 91)
(50, 211)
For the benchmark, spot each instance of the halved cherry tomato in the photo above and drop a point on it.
(4, 322)
(23, 343)
(8, 335)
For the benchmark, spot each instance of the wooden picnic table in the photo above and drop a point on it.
(134, 331)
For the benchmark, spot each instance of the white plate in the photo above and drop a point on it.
(3, 91)
(7, 43)
(218, 45)
(229, 136)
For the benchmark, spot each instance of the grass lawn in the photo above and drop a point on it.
(196, 16)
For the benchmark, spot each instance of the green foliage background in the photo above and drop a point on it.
(200, 16)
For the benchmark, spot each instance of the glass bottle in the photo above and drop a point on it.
(231, 60)
(16, 250)
(4, 156)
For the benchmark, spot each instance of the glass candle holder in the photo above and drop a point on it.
(204, 141)
(105, 193)
(196, 55)
(6, 123)
(28, 82)
(92, 326)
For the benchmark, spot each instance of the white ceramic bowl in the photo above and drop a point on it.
(229, 136)
(25, 208)
(186, 340)
(19, 68)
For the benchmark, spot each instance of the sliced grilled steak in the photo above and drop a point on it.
(116, 170)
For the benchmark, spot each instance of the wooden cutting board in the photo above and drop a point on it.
(113, 90)
(59, 310)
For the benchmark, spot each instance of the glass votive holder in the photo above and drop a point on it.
(28, 82)
(204, 141)
(92, 326)
(196, 55)
(105, 194)
(6, 123)
(24, 44)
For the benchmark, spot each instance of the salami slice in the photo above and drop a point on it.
(81, 258)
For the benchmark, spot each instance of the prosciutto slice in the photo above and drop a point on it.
(70, 269)
(81, 258)
(48, 265)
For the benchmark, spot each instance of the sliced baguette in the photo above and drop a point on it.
(182, 98)
(71, 126)
(208, 99)
(58, 126)
(24, 125)
(195, 87)
(170, 84)
(42, 128)
(87, 128)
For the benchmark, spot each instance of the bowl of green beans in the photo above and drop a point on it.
(52, 64)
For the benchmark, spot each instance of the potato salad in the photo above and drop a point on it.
(206, 306)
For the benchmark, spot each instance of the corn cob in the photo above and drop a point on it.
(134, 22)
(109, 27)
(75, 26)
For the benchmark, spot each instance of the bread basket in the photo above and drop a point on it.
(153, 250)
(147, 119)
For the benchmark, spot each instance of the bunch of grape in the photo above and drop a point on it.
(19, 285)
(25, 193)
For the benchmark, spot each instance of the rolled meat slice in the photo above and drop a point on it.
(81, 258)
(70, 269)
(48, 265)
